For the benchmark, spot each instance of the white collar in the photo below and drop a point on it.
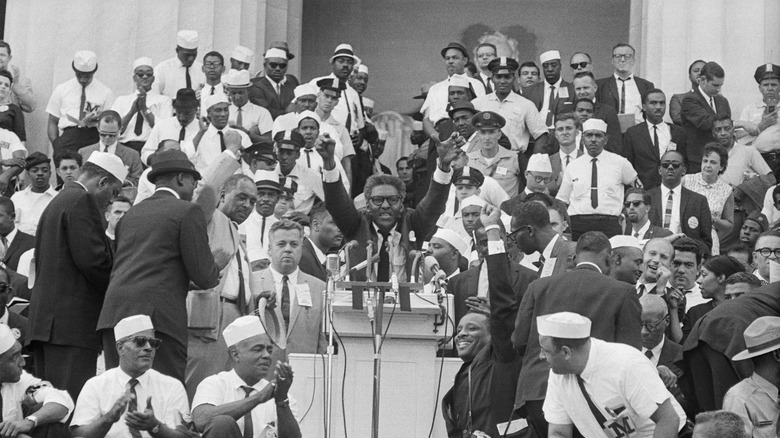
(548, 249)
(618, 79)
(590, 264)
(236, 382)
(292, 277)
(166, 189)
(547, 85)
(642, 230)
(123, 377)
(318, 252)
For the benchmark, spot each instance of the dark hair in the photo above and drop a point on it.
(573, 344)
(584, 99)
(7, 204)
(544, 198)
(6, 45)
(594, 242)
(318, 212)
(110, 116)
(652, 91)
(472, 68)
(67, 154)
(618, 45)
(401, 159)
(723, 117)
(529, 64)
(481, 45)
(690, 67)
(232, 182)
(723, 265)
(715, 147)
(384, 180)
(7, 74)
(744, 277)
(562, 117)
(639, 191)
(92, 170)
(581, 53)
(285, 224)
(531, 214)
(712, 70)
(215, 54)
(724, 424)
(686, 244)
(582, 74)
(741, 248)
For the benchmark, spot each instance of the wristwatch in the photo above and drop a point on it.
(156, 429)
(34, 420)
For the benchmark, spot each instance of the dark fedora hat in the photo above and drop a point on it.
(172, 161)
(185, 98)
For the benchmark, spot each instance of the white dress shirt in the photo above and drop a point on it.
(10, 143)
(256, 235)
(14, 393)
(309, 187)
(169, 77)
(614, 173)
(65, 101)
(674, 224)
(664, 136)
(633, 98)
(656, 351)
(546, 102)
(522, 118)
(169, 129)
(160, 106)
(209, 148)
(292, 281)
(349, 103)
(252, 115)
(29, 207)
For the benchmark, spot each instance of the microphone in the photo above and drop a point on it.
(332, 265)
(439, 277)
(349, 245)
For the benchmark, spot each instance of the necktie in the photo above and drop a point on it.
(279, 90)
(262, 232)
(488, 88)
(308, 158)
(383, 273)
(649, 354)
(594, 184)
(139, 123)
(83, 103)
(623, 95)
(539, 265)
(655, 137)
(550, 106)
(132, 405)
(239, 118)
(5, 250)
(349, 112)
(212, 90)
(712, 104)
(286, 301)
(187, 78)
(241, 290)
(221, 141)
(668, 210)
(182, 133)
(636, 234)
(642, 290)
(457, 204)
(568, 158)
(249, 429)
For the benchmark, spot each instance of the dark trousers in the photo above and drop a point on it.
(582, 223)
(74, 139)
(222, 426)
(66, 367)
(170, 359)
(135, 145)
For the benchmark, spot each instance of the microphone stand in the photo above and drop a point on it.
(327, 321)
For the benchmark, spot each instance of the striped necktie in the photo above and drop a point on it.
(668, 210)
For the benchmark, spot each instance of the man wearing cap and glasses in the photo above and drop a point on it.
(32, 201)
(240, 58)
(755, 397)
(161, 245)
(546, 94)
(601, 388)
(288, 151)
(760, 118)
(183, 70)
(211, 140)
(75, 104)
(109, 129)
(245, 116)
(73, 262)
(274, 90)
(141, 109)
(623, 90)
(132, 398)
(236, 403)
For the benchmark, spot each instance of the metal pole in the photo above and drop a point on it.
(379, 297)
(328, 320)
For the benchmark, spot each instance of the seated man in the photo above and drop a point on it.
(235, 403)
(31, 201)
(109, 129)
(128, 399)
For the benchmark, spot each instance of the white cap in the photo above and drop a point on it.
(132, 325)
(471, 201)
(417, 125)
(266, 175)
(459, 81)
(242, 328)
(344, 50)
(213, 99)
(275, 53)
(620, 241)
(594, 125)
(453, 239)
(567, 325)
(145, 60)
(237, 79)
(110, 163)
(309, 115)
(381, 133)
(242, 54)
(539, 163)
(85, 61)
(549, 56)
(307, 89)
(187, 39)
(362, 68)
(368, 103)
(8, 337)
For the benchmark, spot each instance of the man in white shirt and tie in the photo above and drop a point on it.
(623, 90)
(245, 116)
(209, 142)
(183, 70)
(259, 222)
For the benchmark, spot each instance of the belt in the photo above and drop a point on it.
(228, 300)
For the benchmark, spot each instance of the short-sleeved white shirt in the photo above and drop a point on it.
(616, 376)
(169, 400)
(349, 103)
(742, 158)
(614, 172)
(209, 148)
(14, 393)
(65, 101)
(169, 77)
(29, 207)
(435, 105)
(169, 129)
(522, 118)
(10, 143)
(160, 106)
(252, 115)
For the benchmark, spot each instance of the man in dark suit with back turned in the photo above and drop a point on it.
(612, 306)
(161, 248)
(699, 109)
(274, 91)
(73, 264)
(325, 236)
(623, 90)
(643, 144)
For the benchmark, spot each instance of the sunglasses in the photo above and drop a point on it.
(141, 341)
(108, 134)
(380, 200)
(144, 75)
(275, 65)
(673, 164)
(635, 204)
(577, 65)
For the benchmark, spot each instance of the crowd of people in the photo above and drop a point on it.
(613, 267)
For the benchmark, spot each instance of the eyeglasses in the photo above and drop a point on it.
(212, 64)
(275, 65)
(576, 65)
(512, 237)
(626, 57)
(144, 75)
(108, 134)
(766, 252)
(4, 287)
(673, 164)
(542, 179)
(141, 341)
(635, 204)
(651, 327)
(380, 200)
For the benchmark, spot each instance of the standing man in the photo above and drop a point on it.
(211, 140)
(532, 232)
(551, 92)
(483, 54)
(32, 201)
(213, 68)
(288, 150)
(21, 89)
(274, 90)
(324, 237)
(241, 57)
(182, 127)
(245, 116)
(585, 87)
(523, 120)
(72, 266)
(161, 245)
(675, 103)
(593, 184)
(491, 159)
(74, 105)
(613, 306)
(760, 119)
(568, 136)
(183, 70)
(700, 107)
(645, 143)
(109, 129)
(623, 90)
(258, 224)
(141, 109)
(580, 62)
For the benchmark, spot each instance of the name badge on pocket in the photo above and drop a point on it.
(303, 294)
(563, 93)
(5, 145)
(501, 171)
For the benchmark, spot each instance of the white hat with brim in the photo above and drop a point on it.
(143, 61)
(267, 179)
(187, 39)
(132, 325)
(214, 99)
(309, 115)
(344, 50)
(453, 239)
(761, 337)
(458, 81)
(306, 89)
(237, 79)
(549, 55)
(8, 338)
(471, 201)
(275, 53)
(242, 54)
(243, 328)
(566, 325)
(85, 61)
(623, 241)
(594, 125)
(539, 163)
(110, 163)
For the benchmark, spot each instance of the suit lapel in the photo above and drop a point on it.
(704, 101)
(613, 90)
(12, 247)
(683, 203)
(645, 133)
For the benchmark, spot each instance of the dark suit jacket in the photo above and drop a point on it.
(651, 233)
(671, 353)
(694, 210)
(639, 150)
(263, 93)
(609, 94)
(611, 305)
(535, 93)
(309, 263)
(510, 204)
(161, 246)
(19, 322)
(697, 117)
(22, 243)
(608, 114)
(73, 264)
(130, 158)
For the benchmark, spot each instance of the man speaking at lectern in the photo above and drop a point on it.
(482, 398)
